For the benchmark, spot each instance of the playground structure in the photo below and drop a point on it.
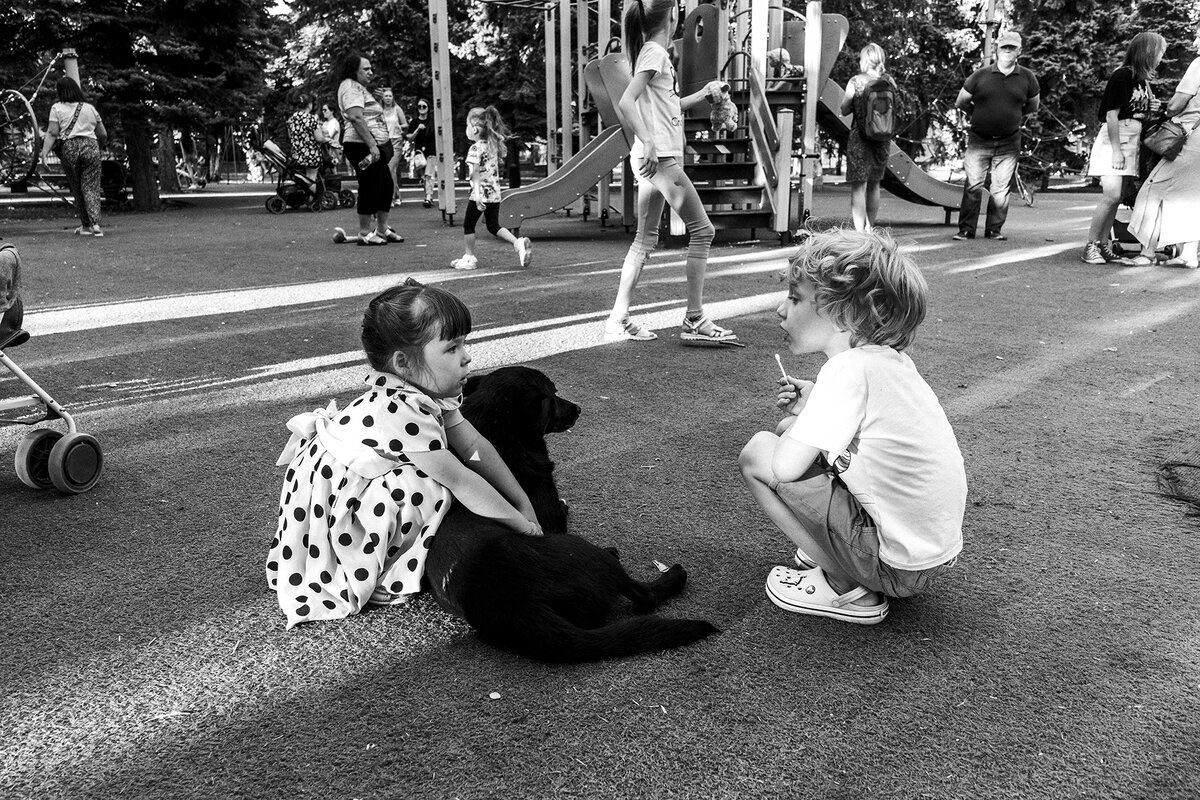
(761, 175)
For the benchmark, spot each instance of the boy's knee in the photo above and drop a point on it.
(757, 453)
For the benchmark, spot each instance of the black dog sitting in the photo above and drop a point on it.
(543, 597)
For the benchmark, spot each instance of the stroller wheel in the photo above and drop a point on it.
(75, 463)
(329, 200)
(33, 458)
(346, 198)
(314, 204)
(275, 204)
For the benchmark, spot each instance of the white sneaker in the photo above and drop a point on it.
(465, 262)
(524, 251)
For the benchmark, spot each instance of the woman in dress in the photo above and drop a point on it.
(397, 125)
(866, 160)
(1168, 205)
(306, 134)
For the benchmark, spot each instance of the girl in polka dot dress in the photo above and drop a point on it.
(367, 487)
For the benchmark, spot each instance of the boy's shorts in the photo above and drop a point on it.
(832, 516)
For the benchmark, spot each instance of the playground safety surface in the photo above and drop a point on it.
(143, 657)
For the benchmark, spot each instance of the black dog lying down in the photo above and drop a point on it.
(543, 597)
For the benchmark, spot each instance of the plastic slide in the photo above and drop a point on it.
(904, 178)
(568, 183)
(606, 79)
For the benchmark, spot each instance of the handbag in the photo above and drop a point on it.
(62, 135)
(1166, 137)
(418, 160)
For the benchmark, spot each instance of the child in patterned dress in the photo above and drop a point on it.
(367, 487)
(488, 132)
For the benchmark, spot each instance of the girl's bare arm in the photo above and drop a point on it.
(472, 490)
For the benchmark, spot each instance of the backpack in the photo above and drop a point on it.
(877, 110)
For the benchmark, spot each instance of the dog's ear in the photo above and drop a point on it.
(471, 385)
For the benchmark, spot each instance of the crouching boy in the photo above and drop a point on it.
(864, 475)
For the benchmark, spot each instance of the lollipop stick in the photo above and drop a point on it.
(779, 361)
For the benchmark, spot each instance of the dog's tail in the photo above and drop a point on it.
(540, 632)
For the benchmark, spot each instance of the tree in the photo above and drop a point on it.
(1074, 45)
(154, 65)
(496, 57)
(929, 44)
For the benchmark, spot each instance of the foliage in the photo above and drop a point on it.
(150, 64)
(929, 44)
(496, 57)
(1074, 45)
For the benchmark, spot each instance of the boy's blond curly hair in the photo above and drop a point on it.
(864, 285)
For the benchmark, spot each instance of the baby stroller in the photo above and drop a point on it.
(295, 189)
(45, 458)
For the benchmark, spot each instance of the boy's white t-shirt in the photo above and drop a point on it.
(659, 104)
(870, 404)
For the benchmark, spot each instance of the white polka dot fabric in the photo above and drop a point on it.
(355, 517)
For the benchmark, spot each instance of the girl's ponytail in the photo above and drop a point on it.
(634, 22)
(643, 18)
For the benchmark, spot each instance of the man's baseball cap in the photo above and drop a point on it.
(1011, 38)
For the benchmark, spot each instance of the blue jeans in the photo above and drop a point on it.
(1000, 157)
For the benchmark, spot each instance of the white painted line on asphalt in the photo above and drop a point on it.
(1015, 256)
(1146, 384)
(1012, 382)
(93, 316)
(309, 379)
(159, 309)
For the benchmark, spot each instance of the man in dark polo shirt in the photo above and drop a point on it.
(997, 98)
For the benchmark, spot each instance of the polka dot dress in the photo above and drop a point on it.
(355, 517)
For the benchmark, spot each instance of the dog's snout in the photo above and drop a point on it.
(566, 414)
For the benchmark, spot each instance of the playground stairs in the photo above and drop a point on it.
(726, 168)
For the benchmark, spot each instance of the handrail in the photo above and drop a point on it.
(763, 134)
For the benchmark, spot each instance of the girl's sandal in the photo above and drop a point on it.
(628, 331)
(704, 332)
(81, 231)
(392, 236)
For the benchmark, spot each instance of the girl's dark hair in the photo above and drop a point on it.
(643, 18)
(409, 316)
(348, 68)
(1145, 51)
(68, 91)
(300, 98)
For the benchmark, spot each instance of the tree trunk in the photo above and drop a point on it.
(168, 178)
(140, 148)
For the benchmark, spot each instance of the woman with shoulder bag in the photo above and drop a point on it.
(1128, 100)
(77, 135)
(1168, 204)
